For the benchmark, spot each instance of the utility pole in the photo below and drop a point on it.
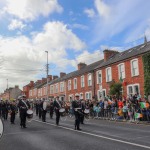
(7, 83)
(47, 74)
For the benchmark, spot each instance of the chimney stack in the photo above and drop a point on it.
(31, 83)
(109, 53)
(50, 77)
(81, 66)
(55, 77)
(62, 74)
(44, 80)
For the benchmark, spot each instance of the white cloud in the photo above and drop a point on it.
(90, 12)
(88, 58)
(103, 9)
(116, 17)
(24, 53)
(80, 26)
(16, 24)
(31, 9)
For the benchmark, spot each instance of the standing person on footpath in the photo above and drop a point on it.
(77, 111)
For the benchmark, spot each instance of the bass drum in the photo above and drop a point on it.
(29, 115)
(1, 128)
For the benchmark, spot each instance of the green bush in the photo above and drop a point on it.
(146, 64)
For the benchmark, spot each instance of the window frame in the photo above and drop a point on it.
(107, 74)
(82, 83)
(119, 71)
(75, 85)
(90, 74)
(131, 63)
(99, 72)
(133, 88)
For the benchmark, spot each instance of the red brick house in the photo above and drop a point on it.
(94, 80)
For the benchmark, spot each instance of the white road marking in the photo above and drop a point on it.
(95, 135)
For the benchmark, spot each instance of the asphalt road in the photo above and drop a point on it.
(95, 135)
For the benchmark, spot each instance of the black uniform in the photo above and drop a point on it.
(23, 107)
(5, 108)
(57, 106)
(82, 115)
(0, 108)
(51, 109)
(78, 113)
(13, 110)
(37, 107)
(44, 111)
(40, 109)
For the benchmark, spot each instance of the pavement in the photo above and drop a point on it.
(95, 135)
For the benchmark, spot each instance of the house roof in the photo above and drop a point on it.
(73, 74)
(135, 51)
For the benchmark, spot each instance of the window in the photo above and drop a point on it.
(90, 79)
(101, 94)
(41, 92)
(121, 70)
(88, 95)
(30, 92)
(134, 67)
(51, 89)
(69, 85)
(133, 89)
(108, 74)
(44, 91)
(56, 88)
(81, 95)
(99, 77)
(82, 81)
(61, 86)
(75, 83)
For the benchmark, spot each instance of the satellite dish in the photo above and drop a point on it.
(1, 128)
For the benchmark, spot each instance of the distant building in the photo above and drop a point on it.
(11, 93)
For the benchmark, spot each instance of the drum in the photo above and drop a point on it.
(1, 128)
(62, 111)
(29, 115)
(86, 111)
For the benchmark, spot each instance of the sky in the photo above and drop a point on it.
(72, 31)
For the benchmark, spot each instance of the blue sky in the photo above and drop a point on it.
(72, 31)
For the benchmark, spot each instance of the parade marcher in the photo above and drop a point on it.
(57, 106)
(40, 109)
(23, 106)
(51, 109)
(44, 110)
(37, 107)
(0, 109)
(77, 111)
(12, 110)
(82, 110)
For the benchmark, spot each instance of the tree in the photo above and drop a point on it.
(115, 89)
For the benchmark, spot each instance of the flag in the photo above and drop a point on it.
(121, 80)
(138, 115)
(144, 105)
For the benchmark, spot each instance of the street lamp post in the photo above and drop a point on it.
(47, 74)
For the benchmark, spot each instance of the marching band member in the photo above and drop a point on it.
(77, 111)
(13, 110)
(23, 106)
(44, 110)
(57, 106)
(51, 109)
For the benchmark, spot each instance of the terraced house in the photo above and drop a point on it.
(94, 80)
